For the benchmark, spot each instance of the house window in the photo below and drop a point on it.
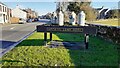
(0, 15)
(3, 8)
(0, 8)
(6, 17)
(6, 9)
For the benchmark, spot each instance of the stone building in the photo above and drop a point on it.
(30, 13)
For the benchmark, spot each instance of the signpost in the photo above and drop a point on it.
(87, 30)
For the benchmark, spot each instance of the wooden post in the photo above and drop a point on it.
(45, 38)
(86, 40)
(50, 36)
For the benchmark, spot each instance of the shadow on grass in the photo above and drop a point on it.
(32, 42)
(74, 54)
(11, 61)
(89, 57)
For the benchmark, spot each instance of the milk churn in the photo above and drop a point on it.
(61, 19)
(81, 18)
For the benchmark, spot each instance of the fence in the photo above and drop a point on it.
(14, 20)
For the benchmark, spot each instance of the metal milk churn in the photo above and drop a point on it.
(81, 18)
(61, 19)
(73, 18)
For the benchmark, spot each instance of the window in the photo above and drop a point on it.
(10, 13)
(0, 8)
(0, 15)
(3, 8)
(6, 17)
(8, 10)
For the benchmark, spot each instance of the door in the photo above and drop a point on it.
(4, 17)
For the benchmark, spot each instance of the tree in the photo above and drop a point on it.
(83, 6)
(74, 6)
(115, 13)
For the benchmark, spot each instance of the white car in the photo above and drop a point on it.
(22, 21)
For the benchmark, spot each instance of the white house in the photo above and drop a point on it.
(5, 14)
(102, 12)
(19, 13)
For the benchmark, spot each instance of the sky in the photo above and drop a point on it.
(41, 7)
(111, 5)
(45, 6)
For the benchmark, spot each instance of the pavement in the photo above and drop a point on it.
(13, 34)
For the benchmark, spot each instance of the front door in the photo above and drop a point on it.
(4, 17)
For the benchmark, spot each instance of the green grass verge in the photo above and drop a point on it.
(108, 22)
(31, 52)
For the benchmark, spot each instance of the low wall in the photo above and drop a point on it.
(14, 20)
(109, 33)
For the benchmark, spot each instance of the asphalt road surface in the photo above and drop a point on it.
(10, 34)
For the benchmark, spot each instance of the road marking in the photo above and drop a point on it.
(12, 28)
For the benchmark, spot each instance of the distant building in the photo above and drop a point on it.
(19, 13)
(5, 14)
(105, 13)
(102, 12)
(35, 14)
(30, 13)
(113, 13)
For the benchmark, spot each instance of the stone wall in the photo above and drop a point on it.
(109, 33)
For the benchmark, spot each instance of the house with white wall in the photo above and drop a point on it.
(102, 12)
(5, 14)
(19, 13)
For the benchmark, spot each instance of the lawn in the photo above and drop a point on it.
(31, 52)
(108, 22)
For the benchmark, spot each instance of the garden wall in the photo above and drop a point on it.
(14, 20)
(109, 33)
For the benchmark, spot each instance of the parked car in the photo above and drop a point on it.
(36, 19)
(22, 21)
(29, 20)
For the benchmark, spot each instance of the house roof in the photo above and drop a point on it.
(104, 10)
(25, 10)
(98, 8)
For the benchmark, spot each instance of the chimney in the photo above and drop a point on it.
(102, 7)
(17, 6)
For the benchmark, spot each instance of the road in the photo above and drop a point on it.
(11, 34)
